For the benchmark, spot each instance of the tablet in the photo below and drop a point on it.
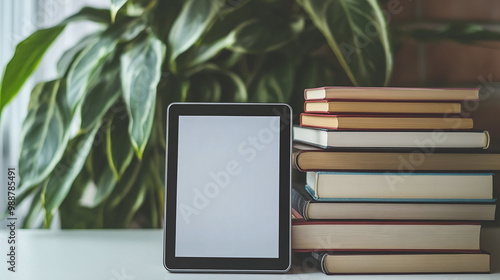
(227, 197)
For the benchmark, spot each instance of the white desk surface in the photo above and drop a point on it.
(137, 254)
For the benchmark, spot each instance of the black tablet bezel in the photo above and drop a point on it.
(180, 264)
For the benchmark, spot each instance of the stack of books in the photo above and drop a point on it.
(396, 181)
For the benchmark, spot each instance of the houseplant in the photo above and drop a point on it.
(115, 85)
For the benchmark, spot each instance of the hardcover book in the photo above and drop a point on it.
(390, 209)
(395, 236)
(346, 107)
(325, 138)
(401, 185)
(373, 263)
(392, 93)
(384, 122)
(307, 158)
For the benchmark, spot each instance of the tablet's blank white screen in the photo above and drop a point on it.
(228, 187)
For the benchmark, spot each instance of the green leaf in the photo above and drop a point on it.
(35, 209)
(183, 89)
(173, 89)
(69, 55)
(85, 64)
(26, 58)
(157, 167)
(196, 16)
(100, 97)
(157, 171)
(105, 185)
(140, 74)
(129, 191)
(232, 84)
(137, 8)
(97, 161)
(229, 19)
(155, 190)
(65, 173)
(259, 36)
(44, 134)
(154, 209)
(125, 184)
(115, 7)
(252, 36)
(275, 82)
(357, 33)
(72, 213)
(30, 51)
(24, 193)
(204, 53)
(313, 71)
(90, 13)
(91, 58)
(119, 150)
(134, 200)
(163, 17)
(233, 87)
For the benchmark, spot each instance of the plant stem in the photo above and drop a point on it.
(127, 188)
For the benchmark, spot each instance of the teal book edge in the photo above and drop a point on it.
(423, 200)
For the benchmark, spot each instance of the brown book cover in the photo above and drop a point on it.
(401, 262)
(392, 93)
(377, 107)
(384, 122)
(408, 236)
(305, 207)
(308, 158)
